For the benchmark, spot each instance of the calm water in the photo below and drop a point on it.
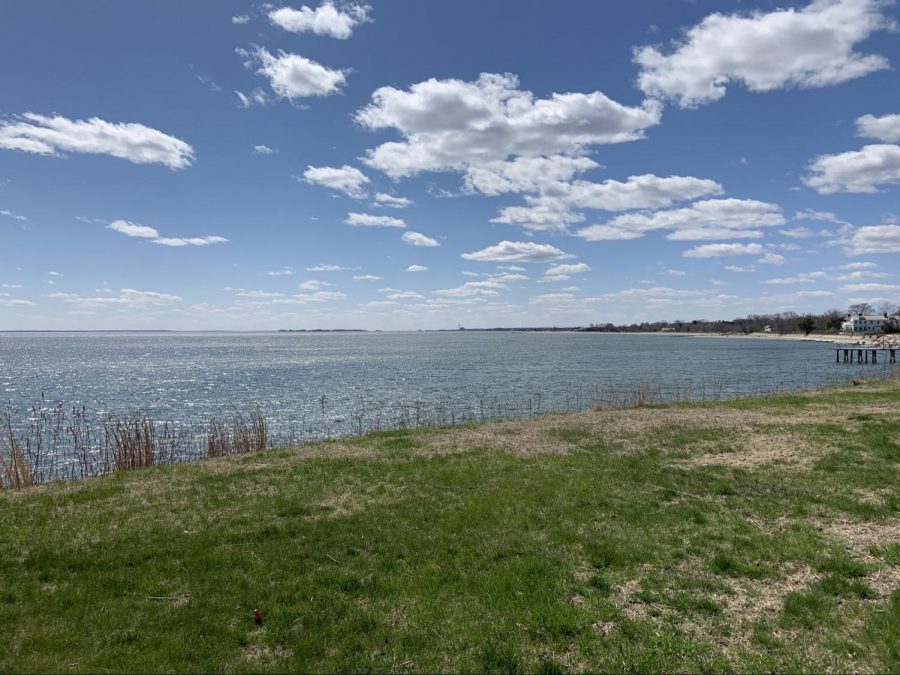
(380, 380)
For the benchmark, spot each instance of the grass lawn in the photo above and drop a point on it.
(752, 535)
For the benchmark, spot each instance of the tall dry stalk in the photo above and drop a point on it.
(237, 436)
(133, 442)
(15, 469)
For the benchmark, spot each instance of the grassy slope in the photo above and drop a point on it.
(752, 535)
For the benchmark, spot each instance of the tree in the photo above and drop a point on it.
(861, 308)
(887, 308)
(807, 325)
(834, 319)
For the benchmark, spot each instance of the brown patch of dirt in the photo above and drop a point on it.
(859, 536)
(759, 448)
(751, 600)
(260, 653)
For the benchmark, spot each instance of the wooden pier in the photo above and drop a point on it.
(864, 354)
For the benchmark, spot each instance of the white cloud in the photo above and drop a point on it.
(885, 128)
(708, 219)
(259, 294)
(655, 294)
(240, 19)
(524, 174)
(285, 271)
(552, 298)
(802, 278)
(416, 268)
(859, 266)
(564, 272)
(128, 298)
(740, 268)
(189, 241)
(719, 250)
(809, 47)
(450, 124)
(855, 171)
(346, 179)
(770, 258)
(471, 289)
(326, 268)
(292, 76)
(384, 199)
(552, 210)
(264, 150)
(46, 135)
(798, 233)
(405, 295)
(146, 232)
(313, 285)
(419, 239)
(517, 251)
(870, 288)
(15, 302)
(823, 216)
(325, 20)
(133, 229)
(367, 277)
(368, 220)
(875, 239)
(542, 215)
(14, 216)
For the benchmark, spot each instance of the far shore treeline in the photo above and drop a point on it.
(782, 322)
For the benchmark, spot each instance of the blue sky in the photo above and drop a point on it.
(404, 165)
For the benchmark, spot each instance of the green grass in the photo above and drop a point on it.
(493, 548)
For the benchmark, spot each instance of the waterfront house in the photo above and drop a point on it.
(865, 323)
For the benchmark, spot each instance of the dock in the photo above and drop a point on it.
(864, 354)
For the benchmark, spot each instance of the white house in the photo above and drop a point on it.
(869, 323)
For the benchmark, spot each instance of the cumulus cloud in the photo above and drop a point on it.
(553, 208)
(133, 229)
(419, 239)
(264, 150)
(367, 277)
(416, 268)
(326, 19)
(885, 128)
(313, 285)
(564, 272)
(128, 298)
(189, 241)
(368, 220)
(326, 268)
(874, 239)
(541, 215)
(346, 179)
(146, 232)
(861, 170)
(524, 174)
(802, 278)
(384, 199)
(450, 124)
(46, 135)
(707, 219)
(240, 19)
(15, 216)
(517, 251)
(720, 250)
(292, 76)
(809, 47)
(770, 258)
